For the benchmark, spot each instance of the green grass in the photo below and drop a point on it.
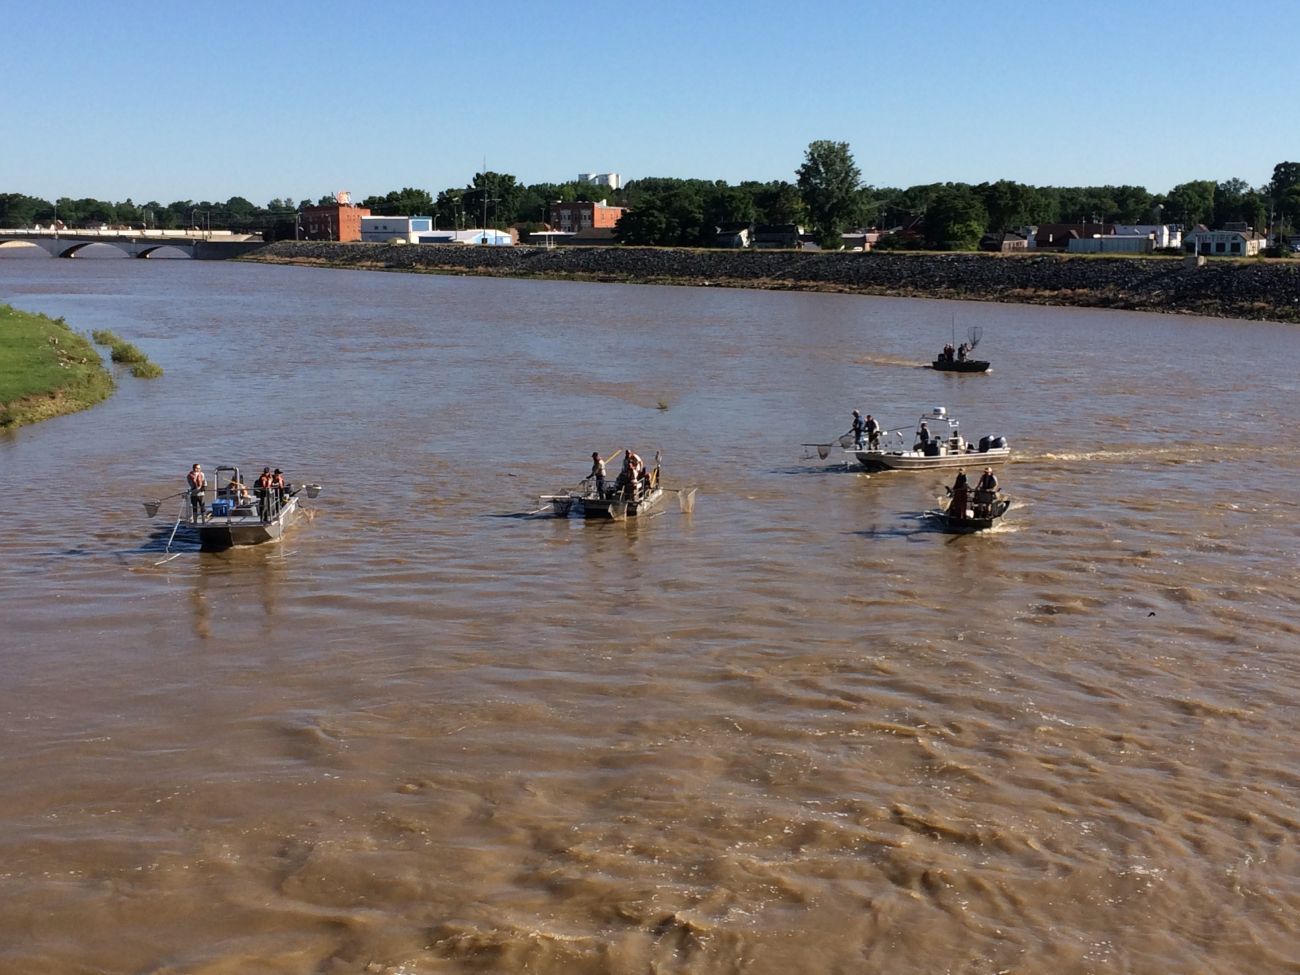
(122, 351)
(126, 353)
(46, 369)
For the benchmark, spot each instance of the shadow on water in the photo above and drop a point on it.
(156, 541)
(823, 469)
(923, 525)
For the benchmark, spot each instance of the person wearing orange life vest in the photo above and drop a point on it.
(278, 486)
(197, 483)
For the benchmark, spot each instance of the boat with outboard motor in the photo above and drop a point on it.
(632, 496)
(983, 512)
(956, 359)
(936, 447)
(237, 515)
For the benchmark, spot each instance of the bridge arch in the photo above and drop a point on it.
(23, 248)
(165, 252)
(94, 248)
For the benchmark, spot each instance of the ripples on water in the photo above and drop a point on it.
(796, 730)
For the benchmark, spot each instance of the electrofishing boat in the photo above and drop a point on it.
(939, 445)
(633, 495)
(958, 359)
(982, 513)
(236, 515)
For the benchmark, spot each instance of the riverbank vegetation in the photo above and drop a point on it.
(124, 353)
(46, 369)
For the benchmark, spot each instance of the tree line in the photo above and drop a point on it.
(828, 195)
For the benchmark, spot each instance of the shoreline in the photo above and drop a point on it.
(1251, 289)
(46, 369)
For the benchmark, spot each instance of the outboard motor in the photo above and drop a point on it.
(998, 442)
(984, 443)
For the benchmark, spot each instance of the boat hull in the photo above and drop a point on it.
(960, 365)
(614, 509)
(243, 527)
(915, 460)
(966, 526)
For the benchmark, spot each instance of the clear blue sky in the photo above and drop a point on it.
(289, 98)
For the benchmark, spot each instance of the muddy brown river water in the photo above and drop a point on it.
(795, 730)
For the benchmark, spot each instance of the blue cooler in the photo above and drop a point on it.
(221, 507)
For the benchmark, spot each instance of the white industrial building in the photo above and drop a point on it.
(381, 230)
(1162, 234)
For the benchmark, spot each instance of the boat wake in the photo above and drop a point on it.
(886, 360)
(1175, 454)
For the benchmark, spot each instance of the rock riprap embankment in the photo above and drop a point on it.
(1268, 290)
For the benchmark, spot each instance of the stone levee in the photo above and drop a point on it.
(1264, 290)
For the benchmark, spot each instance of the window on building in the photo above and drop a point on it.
(1236, 248)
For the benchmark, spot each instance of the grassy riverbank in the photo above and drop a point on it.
(124, 353)
(46, 369)
(1225, 288)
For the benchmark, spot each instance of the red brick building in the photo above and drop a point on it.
(583, 216)
(332, 221)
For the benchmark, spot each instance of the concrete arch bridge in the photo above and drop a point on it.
(213, 245)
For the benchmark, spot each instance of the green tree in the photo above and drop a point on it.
(671, 217)
(1284, 190)
(724, 204)
(502, 195)
(406, 202)
(829, 181)
(1009, 204)
(1235, 200)
(449, 209)
(775, 202)
(644, 224)
(1132, 204)
(1192, 203)
(955, 219)
(19, 210)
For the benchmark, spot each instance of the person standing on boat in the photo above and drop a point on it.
(986, 493)
(859, 430)
(960, 492)
(922, 436)
(197, 483)
(263, 491)
(278, 487)
(632, 467)
(873, 432)
(598, 473)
